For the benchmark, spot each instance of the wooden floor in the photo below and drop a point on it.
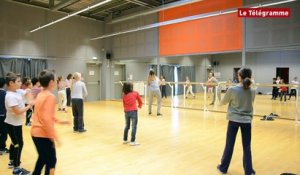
(181, 142)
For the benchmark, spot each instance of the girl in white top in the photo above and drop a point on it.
(62, 95)
(189, 87)
(15, 116)
(153, 87)
(78, 93)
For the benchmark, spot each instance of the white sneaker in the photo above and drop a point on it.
(134, 144)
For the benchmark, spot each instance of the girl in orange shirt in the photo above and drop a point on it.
(42, 130)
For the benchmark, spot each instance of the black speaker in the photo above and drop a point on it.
(108, 56)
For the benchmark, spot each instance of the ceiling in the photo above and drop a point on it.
(113, 9)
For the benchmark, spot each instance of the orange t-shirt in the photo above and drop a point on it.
(44, 116)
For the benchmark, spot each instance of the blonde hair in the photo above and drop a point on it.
(77, 76)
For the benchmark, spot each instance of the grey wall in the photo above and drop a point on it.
(137, 44)
(274, 33)
(66, 44)
(226, 64)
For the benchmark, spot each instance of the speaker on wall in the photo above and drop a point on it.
(108, 56)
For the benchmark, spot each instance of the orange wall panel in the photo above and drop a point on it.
(213, 34)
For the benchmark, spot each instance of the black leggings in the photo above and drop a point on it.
(47, 155)
(16, 135)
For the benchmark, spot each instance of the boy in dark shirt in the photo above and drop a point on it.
(3, 132)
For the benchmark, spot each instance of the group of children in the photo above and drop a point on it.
(18, 100)
(282, 91)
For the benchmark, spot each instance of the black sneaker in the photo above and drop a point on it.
(4, 151)
(220, 171)
(21, 171)
(159, 114)
(150, 113)
(82, 131)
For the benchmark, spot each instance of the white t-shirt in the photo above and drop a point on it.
(14, 99)
(294, 83)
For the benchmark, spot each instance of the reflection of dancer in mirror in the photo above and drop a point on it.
(189, 87)
(215, 92)
(153, 87)
(209, 88)
(295, 82)
(163, 86)
(240, 115)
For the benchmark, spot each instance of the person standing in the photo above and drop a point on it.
(212, 79)
(68, 88)
(240, 115)
(189, 87)
(130, 98)
(15, 116)
(78, 93)
(3, 130)
(62, 97)
(163, 86)
(295, 82)
(153, 87)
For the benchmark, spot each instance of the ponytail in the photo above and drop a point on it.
(247, 83)
(245, 74)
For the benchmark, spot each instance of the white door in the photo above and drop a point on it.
(93, 83)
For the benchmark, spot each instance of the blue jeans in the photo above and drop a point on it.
(130, 116)
(232, 130)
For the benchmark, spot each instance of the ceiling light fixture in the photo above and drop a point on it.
(189, 18)
(70, 15)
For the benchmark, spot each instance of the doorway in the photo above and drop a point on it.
(119, 75)
(283, 73)
(235, 75)
(93, 83)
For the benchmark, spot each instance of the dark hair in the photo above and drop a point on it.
(245, 74)
(213, 74)
(24, 80)
(69, 76)
(151, 72)
(10, 76)
(59, 78)
(45, 77)
(27, 83)
(2, 82)
(274, 79)
(127, 88)
(34, 80)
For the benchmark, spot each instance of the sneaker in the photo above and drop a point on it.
(125, 141)
(4, 151)
(159, 114)
(253, 172)
(82, 130)
(21, 171)
(218, 167)
(28, 124)
(10, 164)
(134, 143)
(150, 113)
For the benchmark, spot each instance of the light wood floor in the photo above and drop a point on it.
(181, 142)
